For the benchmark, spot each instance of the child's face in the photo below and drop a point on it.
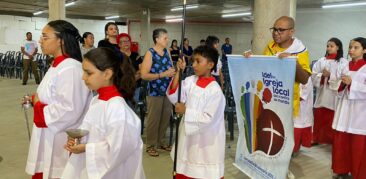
(93, 77)
(332, 48)
(202, 66)
(356, 50)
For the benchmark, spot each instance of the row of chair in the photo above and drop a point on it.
(11, 64)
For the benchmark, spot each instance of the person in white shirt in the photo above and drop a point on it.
(113, 147)
(29, 49)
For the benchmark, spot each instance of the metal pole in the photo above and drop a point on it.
(26, 106)
(178, 117)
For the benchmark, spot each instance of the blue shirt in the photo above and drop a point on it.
(160, 64)
(227, 48)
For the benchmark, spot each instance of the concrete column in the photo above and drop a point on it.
(265, 13)
(56, 10)
(145, 36)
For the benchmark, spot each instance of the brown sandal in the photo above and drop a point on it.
(152, 152)
(166, 147)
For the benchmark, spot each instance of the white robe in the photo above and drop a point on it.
(201, 145)
(113, 145)
(350, 114)
(66, 96)
(306, 117)
(327, 92)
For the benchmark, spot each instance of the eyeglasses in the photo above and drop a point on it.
(279, 30)
(43, 37)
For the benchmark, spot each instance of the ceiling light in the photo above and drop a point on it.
(343, 5)
(38, 13)
(179, 8)
(174, 20)
(237, 14)
(112, 17)
(69, 4)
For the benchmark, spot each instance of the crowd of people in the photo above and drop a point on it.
(113, 148)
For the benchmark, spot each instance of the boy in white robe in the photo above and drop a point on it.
(201, 144)
(113, 147)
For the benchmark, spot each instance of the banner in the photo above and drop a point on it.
(263, 93)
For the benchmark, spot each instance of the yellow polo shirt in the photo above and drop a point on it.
(303, 58)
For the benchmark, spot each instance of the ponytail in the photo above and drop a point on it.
(123, 73)
(125, 79)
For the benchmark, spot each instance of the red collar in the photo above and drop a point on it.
(204, 81)
(106, 93)
(331, 56)
(58, 60)
(354, 66)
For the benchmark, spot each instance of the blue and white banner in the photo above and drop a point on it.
(263, 93)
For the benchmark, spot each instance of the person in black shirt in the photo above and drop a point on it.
(110, 41)
(174, 51)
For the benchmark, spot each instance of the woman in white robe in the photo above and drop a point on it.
(113, 147)
(326, 83)
(349, 145)
(59, 103)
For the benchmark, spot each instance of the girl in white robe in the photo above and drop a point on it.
(349, 145)
(201, 144)
(59, 103)
(326, 84)
(113, 147)
(304, 122)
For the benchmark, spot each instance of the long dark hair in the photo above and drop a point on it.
(171, 46)
(211, 40)
(362, 41)
(69, 36)
(85, 35)
(340, 48)
(123, 76)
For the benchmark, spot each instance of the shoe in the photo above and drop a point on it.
(290, 175)
(24, 83)
(340, 176)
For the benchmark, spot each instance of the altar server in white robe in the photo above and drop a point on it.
(349, 145)
(113, 147)
(59, 103)
(201, 144)
(304, 122)
(326, 84)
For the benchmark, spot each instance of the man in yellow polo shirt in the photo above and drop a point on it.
(284, 45)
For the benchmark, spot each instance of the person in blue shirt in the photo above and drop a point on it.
(226, 48)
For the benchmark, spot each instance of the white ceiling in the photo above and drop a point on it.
(208, 11)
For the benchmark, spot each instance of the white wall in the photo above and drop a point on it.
(239, 33)
(313, 26)
(14, 28)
